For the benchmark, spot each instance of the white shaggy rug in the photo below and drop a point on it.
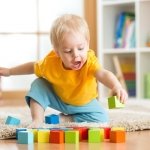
(135, 116)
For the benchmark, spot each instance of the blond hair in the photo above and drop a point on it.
(66, 24)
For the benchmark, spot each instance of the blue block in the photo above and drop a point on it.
(18, 130)
(12, 121)
(52, 119)
(25, 137)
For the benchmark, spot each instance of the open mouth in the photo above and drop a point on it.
(77, 65)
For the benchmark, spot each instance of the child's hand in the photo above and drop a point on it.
(4, 71)
(120, 93)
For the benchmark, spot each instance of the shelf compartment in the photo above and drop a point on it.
(144, 23)
(127, 64)
(109, 25)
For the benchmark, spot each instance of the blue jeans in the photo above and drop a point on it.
(42, 92)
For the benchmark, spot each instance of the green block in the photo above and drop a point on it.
(95, 136)
(113, 102)
(72, 136)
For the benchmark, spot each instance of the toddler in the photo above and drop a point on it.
(68, 75)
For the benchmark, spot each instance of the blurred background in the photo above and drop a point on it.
(24, 33)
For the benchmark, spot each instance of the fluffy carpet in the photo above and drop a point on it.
(135, 116)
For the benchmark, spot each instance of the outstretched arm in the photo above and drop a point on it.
(27, 68)
(109, 79)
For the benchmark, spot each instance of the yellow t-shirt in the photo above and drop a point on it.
(75, 87)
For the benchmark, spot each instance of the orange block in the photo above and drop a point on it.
(56, 136)
(117, 136)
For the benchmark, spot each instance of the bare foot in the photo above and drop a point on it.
(65, 118)
(36, 124)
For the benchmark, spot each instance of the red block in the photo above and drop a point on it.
(56, 136)
(83, 132)
(107, 132)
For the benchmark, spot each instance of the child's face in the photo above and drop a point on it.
(73, 51)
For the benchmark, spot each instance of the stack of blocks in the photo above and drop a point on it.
(75, 135)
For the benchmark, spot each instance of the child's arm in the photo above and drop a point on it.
(27, 68)
(109, 79)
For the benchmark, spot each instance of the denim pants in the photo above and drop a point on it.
(42, 92)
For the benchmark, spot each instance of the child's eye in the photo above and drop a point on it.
(80, 49)
(67, 51)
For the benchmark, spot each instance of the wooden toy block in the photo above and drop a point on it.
(94, 135)
(18, 130)
(72, 136)
(52, 119)
(12, 121)
(25, 137)
(113, 102)
(35, 134)
(107, 132)
(102, 134)
(56, 136)
(117, 136)
(83, 133)
(117, 129)
(43, 136)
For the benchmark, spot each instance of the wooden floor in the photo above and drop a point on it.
(139, 140)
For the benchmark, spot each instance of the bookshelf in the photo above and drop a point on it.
(137, 56)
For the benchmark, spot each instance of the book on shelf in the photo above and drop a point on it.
(125, 30)
(125, 71)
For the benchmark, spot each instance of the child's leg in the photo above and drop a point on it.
(42, 92)
(37, 113)
(91, 112)
(40, 96)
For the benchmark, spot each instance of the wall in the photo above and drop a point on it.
(24, 33)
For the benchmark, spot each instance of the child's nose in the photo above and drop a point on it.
(76, 53)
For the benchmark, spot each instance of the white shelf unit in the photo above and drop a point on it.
(107, 12)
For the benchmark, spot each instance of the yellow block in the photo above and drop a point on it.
(117, 129)
(43, 136)
(102, 134)
(35, 134)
